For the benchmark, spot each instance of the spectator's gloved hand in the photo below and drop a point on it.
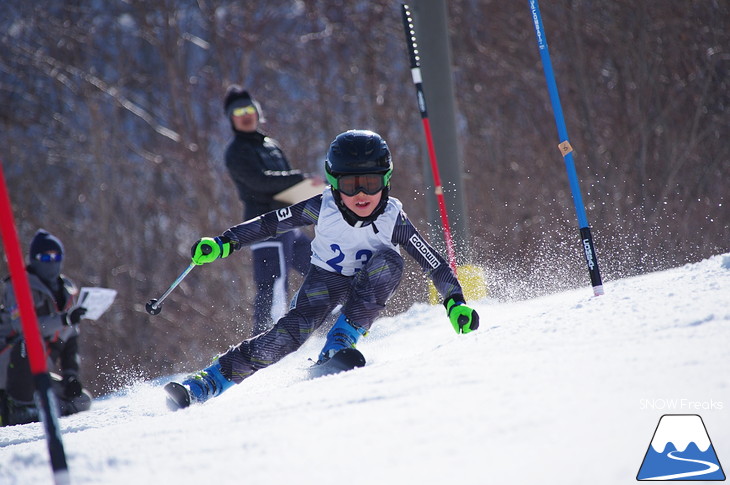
(463, 318)
(71, 386)
(74, 316)
(208, 249)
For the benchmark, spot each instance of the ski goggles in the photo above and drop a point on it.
(369, 183)
(244, 110)
(49, 257)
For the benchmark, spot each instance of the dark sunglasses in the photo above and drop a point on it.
(51, 257)
(370, 183)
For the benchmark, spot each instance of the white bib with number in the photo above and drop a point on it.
(342, 248)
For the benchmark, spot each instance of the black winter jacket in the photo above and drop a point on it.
(260, 170)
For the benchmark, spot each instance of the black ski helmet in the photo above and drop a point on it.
(358, 152)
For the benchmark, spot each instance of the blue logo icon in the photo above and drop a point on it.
(681, 450)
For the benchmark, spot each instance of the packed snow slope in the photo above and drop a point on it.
(566, 389)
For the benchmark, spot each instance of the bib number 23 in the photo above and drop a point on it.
(362, 257)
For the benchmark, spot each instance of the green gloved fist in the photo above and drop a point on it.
(208, 249)
(463, 318)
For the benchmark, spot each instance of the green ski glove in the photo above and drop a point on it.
(463, 318)
(208, 249)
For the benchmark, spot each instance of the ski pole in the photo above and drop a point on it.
(154, 305)
(418, 83)
(567, 151)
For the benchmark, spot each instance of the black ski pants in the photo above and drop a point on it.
(272, 260)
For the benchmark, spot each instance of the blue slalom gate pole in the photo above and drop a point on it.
(567, 151)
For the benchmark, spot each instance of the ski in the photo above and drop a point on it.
(344, 360)
(178, 396)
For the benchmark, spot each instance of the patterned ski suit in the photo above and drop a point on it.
(357, 266)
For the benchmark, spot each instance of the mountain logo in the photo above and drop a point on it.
(681, 450)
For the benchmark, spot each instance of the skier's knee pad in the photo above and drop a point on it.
(385, 267)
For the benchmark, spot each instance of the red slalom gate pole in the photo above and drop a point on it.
(45, 399)
(418, 82)
(440, 195)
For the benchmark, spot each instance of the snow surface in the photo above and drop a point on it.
(567, 388)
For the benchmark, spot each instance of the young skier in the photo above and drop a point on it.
(355, 263)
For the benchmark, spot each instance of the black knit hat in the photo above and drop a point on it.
(237, 97)
(44, 241)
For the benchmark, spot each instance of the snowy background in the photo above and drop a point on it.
(566, 388)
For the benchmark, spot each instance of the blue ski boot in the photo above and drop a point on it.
(198, 387)
(343, 335)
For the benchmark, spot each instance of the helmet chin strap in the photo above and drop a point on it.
(355, 220)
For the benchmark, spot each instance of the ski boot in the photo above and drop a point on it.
(198, 387)
(22, 412)
(343, 335)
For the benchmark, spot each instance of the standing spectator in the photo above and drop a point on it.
(54, 297)
(260, 170)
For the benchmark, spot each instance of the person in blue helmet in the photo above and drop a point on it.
(355, 263)
(54, 297)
